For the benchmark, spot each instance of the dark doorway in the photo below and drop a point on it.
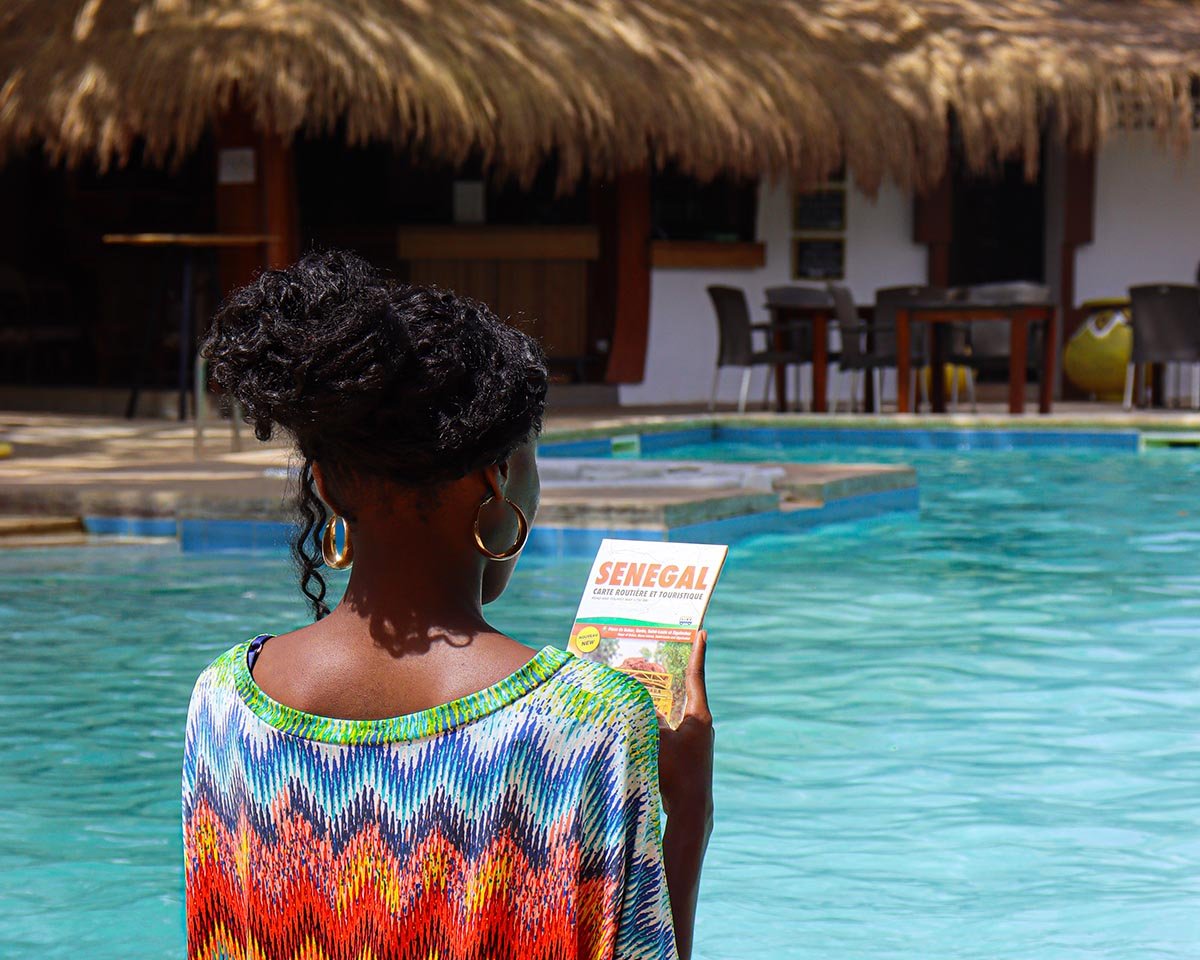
(525, 249)
(999, 226)
(74, 311)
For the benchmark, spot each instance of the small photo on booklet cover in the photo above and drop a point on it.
(641, 610)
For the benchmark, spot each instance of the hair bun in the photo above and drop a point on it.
(309, 347)
(411, 384)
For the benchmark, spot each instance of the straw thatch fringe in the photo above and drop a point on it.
(769, 86)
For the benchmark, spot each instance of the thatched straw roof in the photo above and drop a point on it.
(753, 86)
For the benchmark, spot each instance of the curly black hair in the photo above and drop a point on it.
(373, 377)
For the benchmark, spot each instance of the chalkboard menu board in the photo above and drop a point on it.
(821, 210)
(819, 233)
(818, 258)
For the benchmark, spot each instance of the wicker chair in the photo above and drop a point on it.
(735, 344)
(1166, 329)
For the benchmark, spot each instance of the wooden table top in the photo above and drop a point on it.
(975, 311)
(807, 314)
(188, 239)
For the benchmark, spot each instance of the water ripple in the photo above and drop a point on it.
(972, 734)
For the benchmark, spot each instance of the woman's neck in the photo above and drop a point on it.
(403, 593)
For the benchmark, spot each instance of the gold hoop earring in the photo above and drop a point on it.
(333, 557)
(522, 532)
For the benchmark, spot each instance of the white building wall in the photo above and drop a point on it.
(682, 348)
(1147, 229)
(1147, 226)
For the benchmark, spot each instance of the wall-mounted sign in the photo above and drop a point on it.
(236, 166)
(821, 210)
(818, 258)
(819, 233)
(469, 201)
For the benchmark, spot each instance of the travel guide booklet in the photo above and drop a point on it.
(641, 610)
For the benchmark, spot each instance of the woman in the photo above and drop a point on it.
(400, 779)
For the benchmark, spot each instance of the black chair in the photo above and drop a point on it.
(798, 337)
(870, 347)
(1166, 329)
(735, 345)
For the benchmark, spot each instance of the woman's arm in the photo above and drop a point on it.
(685, 769)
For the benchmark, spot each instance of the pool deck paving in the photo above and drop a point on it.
(65, 467)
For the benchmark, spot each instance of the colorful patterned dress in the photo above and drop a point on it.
(519, 822)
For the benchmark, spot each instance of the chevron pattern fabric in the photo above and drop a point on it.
(519, 823)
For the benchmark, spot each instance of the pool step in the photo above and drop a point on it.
(31, 526)
(18, 532)
(23, 532)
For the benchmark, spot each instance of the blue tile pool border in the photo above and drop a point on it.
(595, 447)
(648, 442)
(225, 536)
(940, 438)
(132, 526)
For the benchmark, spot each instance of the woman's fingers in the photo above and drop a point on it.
(697, 694)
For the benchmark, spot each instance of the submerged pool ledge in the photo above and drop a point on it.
(585, 500)
(216, 535)
(222, 506)
(548, 540)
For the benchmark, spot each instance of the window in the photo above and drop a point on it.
(723, 210)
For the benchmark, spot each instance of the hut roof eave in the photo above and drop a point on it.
(766, 87)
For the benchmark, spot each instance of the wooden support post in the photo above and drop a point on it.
(258, 195)
(631, 248)
(239, 207)
(281, 214)
(933, 225)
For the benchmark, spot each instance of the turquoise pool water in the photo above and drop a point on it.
(968, 733)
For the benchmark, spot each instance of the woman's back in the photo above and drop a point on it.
(520, 821)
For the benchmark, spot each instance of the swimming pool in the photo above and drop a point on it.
(968, 733)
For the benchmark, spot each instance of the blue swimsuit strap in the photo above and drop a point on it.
(255, 649)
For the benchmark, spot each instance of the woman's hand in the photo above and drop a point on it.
(685, 772)
(685, 754)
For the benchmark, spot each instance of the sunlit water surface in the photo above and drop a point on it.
(968, 733)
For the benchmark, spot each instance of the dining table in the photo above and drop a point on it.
(1019, 316)
(789, 318)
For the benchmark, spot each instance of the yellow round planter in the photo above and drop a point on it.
(1097, 355)
(5, 450)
